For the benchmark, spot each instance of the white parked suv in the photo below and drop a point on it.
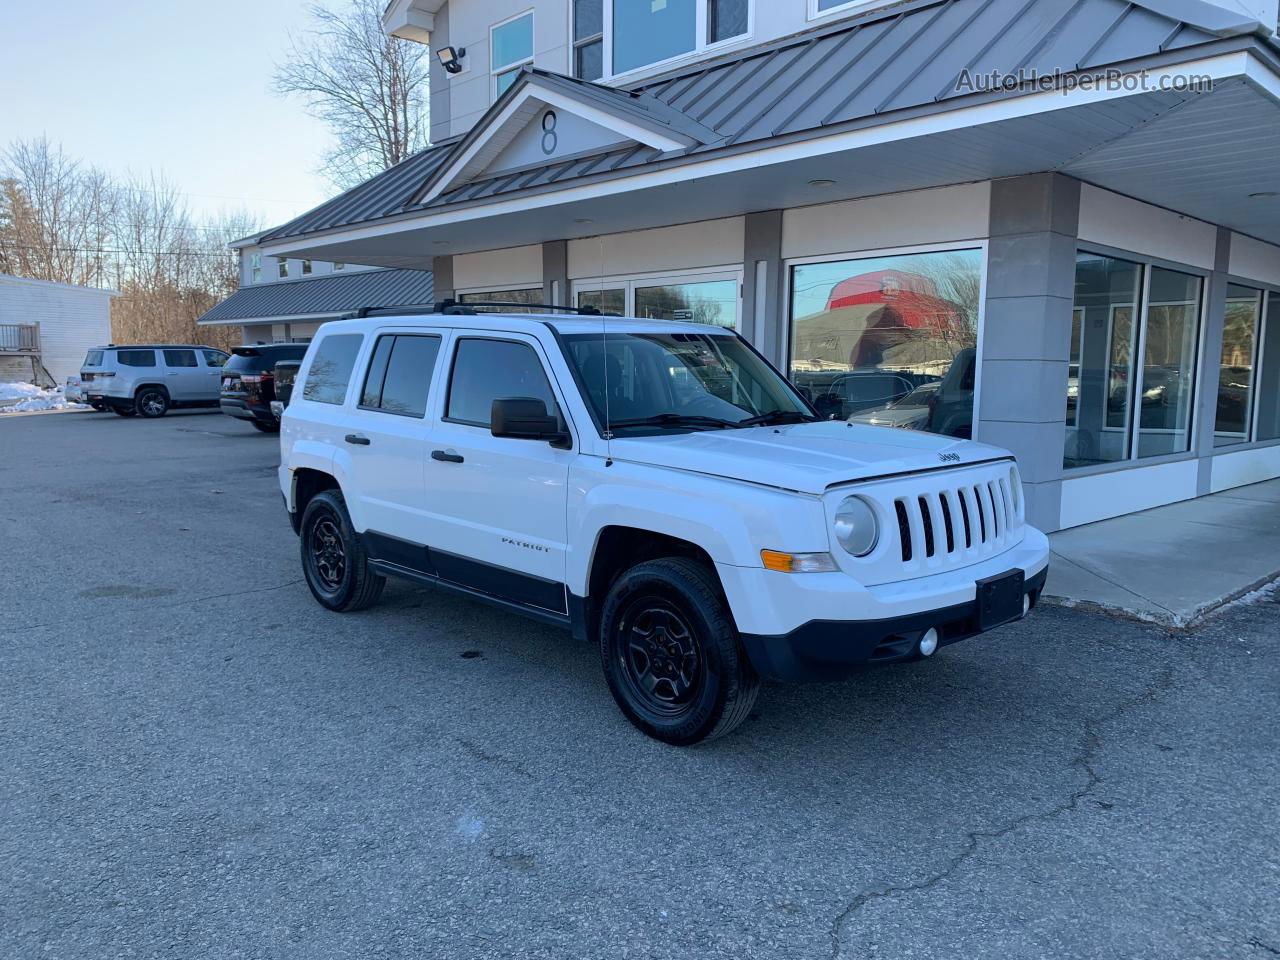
(659, 489)
(150, 379)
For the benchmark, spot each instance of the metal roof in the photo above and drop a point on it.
(334, 295)
(908, 57)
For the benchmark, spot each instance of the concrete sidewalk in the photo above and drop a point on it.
(1175, 564)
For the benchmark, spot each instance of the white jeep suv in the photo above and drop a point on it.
(657, 488)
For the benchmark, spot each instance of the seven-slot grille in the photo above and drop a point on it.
(956, 520)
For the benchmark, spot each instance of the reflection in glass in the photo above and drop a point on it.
(648, 31)
(1235, 378)
(708, 301)
(527, 295)
(889, 341)
(612, 302)
(1269, 374)
(1169, 359)
(1100, 377)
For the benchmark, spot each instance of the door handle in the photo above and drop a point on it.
(446, 456)
(358, 440)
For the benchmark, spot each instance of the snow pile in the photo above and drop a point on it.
(24, 397)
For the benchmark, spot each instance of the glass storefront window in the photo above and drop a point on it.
(529, 295)
(1169, 362)
(1269, 373)
(1235, 379)
(610, 302)
(889, 341)
(1100, 377)
(708, 301)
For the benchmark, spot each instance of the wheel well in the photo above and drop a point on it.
(150, 386)
(618, 549)
(306, 484)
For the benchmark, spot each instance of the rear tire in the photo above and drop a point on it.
(671, 653)
(151, 402)
(334, 561)
(265, 427)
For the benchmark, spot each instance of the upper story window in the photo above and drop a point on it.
(613, 37)
(306, 268)
(255, 267)
(339, 266)
(282, 266)
(820, 8)
(511, 44)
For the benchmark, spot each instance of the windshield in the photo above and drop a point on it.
(690, 380)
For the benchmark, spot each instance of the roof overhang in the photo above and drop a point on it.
(1106, 135)
(411, 19)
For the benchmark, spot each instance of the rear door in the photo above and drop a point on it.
(386, 439)
(183, 375)
(498, 521)
(213, 362)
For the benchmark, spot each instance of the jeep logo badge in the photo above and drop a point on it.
(949, 457)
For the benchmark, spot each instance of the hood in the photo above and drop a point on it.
(807, 457)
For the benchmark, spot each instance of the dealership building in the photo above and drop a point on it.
(1050, 225)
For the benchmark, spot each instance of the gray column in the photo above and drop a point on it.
(1027, 332)
(763, 312)
(1204, 418)
(555, 273)
(442, 278)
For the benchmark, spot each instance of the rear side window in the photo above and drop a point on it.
(399, 377)
(489, 370)
(93, 358)
(214, 358)
(136, 358)
(180, 358)
(331, 367)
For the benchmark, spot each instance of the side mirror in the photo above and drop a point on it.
(524, 418)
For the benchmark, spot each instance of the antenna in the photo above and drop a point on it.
(604, 345)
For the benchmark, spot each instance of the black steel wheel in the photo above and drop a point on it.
(334, 561)
(151, 402)
(671, 654)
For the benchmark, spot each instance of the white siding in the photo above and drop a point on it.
(72, 319)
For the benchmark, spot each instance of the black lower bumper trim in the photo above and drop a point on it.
(834, 649)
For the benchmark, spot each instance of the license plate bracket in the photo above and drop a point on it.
(1000, 599)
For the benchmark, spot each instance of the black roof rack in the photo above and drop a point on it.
(456, 308)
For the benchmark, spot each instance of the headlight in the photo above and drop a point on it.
(857, 528)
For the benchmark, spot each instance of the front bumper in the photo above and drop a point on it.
(825, 626)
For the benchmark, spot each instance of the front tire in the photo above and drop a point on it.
(334, 561)
(151, 402)
(671, 653)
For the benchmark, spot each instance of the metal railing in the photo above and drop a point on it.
(19, 338)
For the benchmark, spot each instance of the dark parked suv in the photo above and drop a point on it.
(249, 382)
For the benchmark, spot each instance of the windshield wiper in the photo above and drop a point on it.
(674, 420)
(778, 416)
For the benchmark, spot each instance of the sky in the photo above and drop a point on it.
(178, 87)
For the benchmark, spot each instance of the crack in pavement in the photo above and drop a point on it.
(1090, 745)
(161, 606)
(1263, 945)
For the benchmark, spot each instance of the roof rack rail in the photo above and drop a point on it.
(456, 308)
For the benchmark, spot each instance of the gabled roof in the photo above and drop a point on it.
(325, 296)
(903, 60)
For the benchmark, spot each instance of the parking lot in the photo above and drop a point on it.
(198, 761)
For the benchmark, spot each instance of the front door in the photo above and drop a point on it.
(501, 524)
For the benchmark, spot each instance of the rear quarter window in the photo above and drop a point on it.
(331, 366)
(136, 358)
(93, 358)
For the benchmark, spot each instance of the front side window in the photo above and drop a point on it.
(331, 367)
(1236, 375)
(400, 373)
(180, 358)
(512, 48)
(489, 370)
(214, 358)
(644, 383)
(868, 334)
(136, 358)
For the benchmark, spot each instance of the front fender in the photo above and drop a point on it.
(731, 520)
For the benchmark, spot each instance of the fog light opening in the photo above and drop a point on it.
(928, 642)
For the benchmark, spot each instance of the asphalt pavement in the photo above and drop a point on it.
(197, 761)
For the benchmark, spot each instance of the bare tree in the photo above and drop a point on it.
(370, 88)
